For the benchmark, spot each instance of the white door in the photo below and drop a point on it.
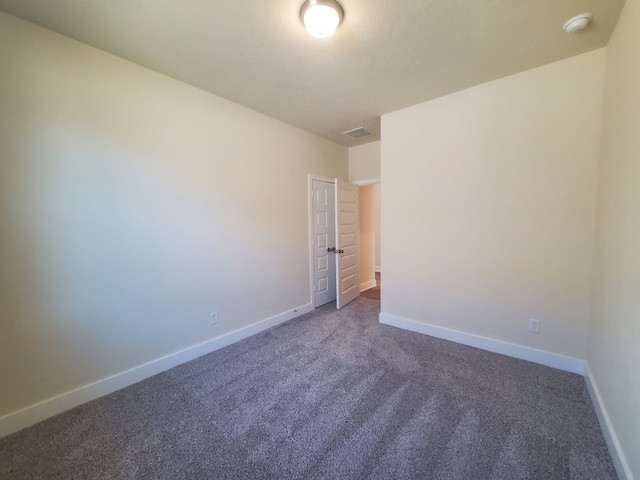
(347, 229)
(324, 242)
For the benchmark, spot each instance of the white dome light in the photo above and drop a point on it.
(321, 17)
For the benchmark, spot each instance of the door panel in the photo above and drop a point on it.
(323, 197)
(347, 261)
(347, 228)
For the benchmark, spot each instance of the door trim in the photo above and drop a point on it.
(363, 183)
(310, 179)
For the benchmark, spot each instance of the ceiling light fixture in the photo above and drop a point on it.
(577, 23)
(321, 17)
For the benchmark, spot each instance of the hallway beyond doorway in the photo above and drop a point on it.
(373, 292)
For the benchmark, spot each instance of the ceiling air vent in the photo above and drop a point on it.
(359, 132)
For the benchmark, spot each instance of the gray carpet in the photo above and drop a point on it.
(332, 394)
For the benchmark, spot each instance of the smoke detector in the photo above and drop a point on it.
(577, 23)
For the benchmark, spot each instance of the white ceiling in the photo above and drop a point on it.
(387, 54)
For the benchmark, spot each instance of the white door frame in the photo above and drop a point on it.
(312, 267)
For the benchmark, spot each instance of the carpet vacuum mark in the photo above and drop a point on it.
(331, 394)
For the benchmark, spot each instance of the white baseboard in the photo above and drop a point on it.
(377, 269)
(615, 449)
(33, 414)
(367, 285)
(561, 362)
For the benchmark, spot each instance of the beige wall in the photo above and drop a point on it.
(131, 206)
(369, 232)
(489, 206)
(364, 162)
(614, 346)
(376, 208)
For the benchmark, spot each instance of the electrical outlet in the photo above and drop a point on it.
(534, 325)
(213, 317)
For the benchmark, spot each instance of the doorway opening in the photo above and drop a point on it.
(370, 265)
